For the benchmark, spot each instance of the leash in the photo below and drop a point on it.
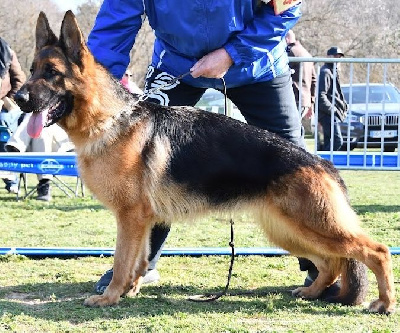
(209, 297)
(225, 97)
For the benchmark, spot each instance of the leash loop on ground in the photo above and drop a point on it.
(209, 297)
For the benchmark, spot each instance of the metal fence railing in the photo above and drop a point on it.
(371, 129)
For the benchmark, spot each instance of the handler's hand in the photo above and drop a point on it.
(213, 65)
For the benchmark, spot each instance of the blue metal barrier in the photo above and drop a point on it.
(61, 164)
(64, 164)
(60, 252)
(362, 160)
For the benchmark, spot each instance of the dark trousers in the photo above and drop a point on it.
(269, 105)
(325, 122)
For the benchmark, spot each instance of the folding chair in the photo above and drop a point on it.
(56, 164)
(56, 181)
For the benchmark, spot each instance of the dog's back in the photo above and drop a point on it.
(221, 160)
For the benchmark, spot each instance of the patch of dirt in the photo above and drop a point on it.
(34, 299)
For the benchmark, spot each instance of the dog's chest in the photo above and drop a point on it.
(111, 178)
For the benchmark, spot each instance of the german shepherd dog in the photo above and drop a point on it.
(149, 163)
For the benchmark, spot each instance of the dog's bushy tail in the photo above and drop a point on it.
(354, 283)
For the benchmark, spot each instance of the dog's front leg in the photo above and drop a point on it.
(130, 258)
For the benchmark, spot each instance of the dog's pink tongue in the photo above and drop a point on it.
(36, 124)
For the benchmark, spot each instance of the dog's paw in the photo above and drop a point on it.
(379, 306)
(304, 292)
(135, 288)
(297, 292)
(100, 301)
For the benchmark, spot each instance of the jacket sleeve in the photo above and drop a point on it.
(324, 102)
(17, 76)
(114, 33)
(261, 35)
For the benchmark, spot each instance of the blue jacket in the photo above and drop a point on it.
(186, 30)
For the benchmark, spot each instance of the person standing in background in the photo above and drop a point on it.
(331, 98)
(306, 89)
(11, 79)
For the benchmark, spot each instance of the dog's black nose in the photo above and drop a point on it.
(22, 96)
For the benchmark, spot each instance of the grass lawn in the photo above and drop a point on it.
(47, 295)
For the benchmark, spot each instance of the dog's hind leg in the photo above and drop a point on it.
(377, 258)
(130, 259)
(353, 248)
(360, 248)
(313, 218)
(348, 241)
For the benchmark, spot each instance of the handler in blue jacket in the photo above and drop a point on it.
(242, 41)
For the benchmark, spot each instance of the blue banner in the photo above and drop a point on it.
(62, 164)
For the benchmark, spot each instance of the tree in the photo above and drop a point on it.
(141, 52)
(86, 14)
(17, 25)
(366, 29)
(362, 29)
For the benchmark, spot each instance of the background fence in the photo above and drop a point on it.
(371, 128)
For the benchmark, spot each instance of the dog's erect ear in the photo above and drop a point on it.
(44, 34)
(71, 39)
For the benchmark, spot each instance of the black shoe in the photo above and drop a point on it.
(151, 276)
(12, 149)
(104, 281)
(329, 293)
(11, 186)
(43, 190)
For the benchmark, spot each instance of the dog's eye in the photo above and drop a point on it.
(31, 70)
(51, 71)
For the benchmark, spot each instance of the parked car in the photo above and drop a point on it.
(214, 101)
(375, 110)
